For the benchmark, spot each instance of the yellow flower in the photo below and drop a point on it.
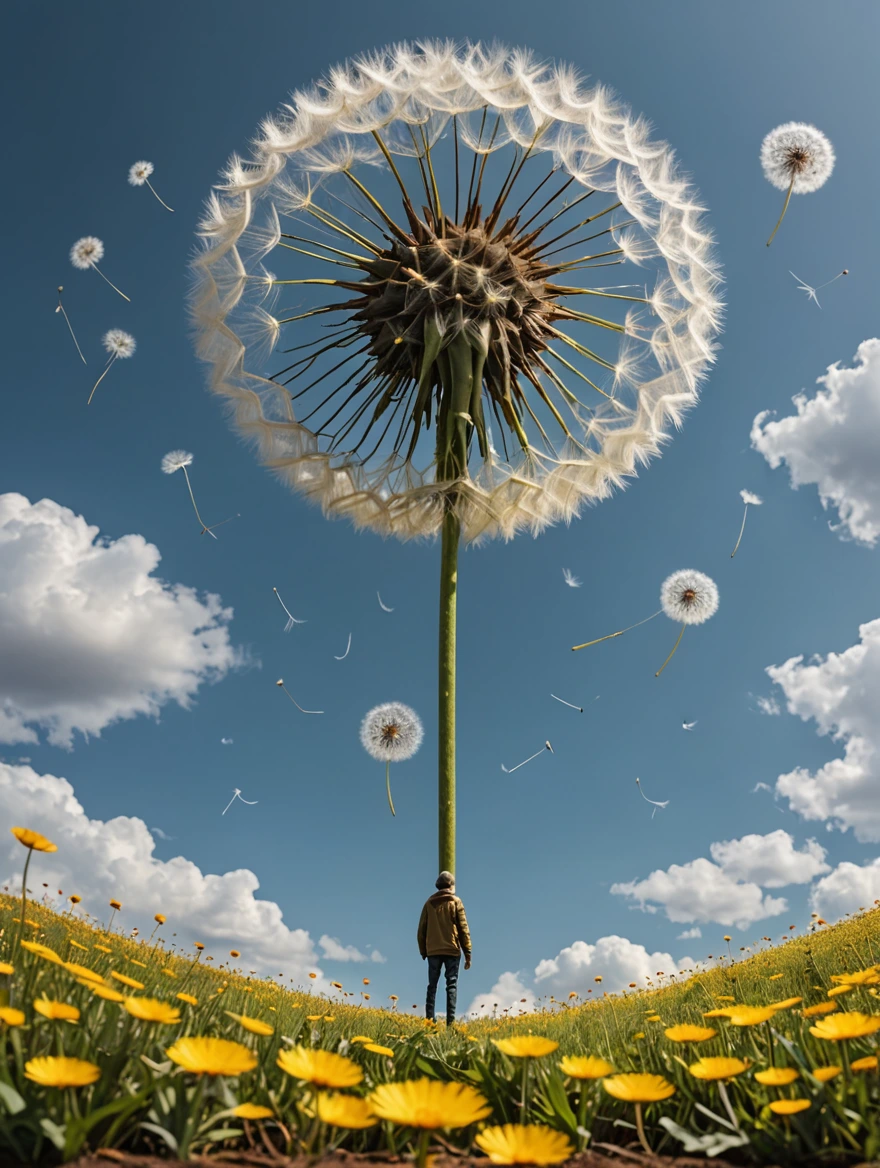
(75, 899)
(129, 981)
(11, 1016)
(723, 1012)
(531, 1143)
(635, 1088)
(5, 967)
(83, 972)
(336, 984)
(823, 1074)
(33, 840)
(77, 945)
(345, 1111)
(526, 1046)
(252, 1111)
(152, 1010)
(56, 1011)
(868, 1063)
(104, 948)
(361, 1038)
(429, 1103)
(786, 1003)
(314, 1017)
(750, 1015)
(198, 945)
(820, 1008)
(188, 998)
(376, 1049)
(838, 1027)
(724, 998)
(640, 1034)
(115, 905)
(775, 976)
(254, 1025)
(140, 963)
(789, 1106)
(212, 1056)
(61, 1072)
(653, 1018)
(366, 981)
(860, 977)
(711, 1069)
(42, 951)
(841, 989)
(169, 973)
(777, 1076)
(234, 953)
(329, 1018)
(584, 1067)
(102, 991)
(159, 919)
(321, 1067)
(688, 1033)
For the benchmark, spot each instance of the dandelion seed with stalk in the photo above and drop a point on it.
(546, 746)
(176, 460)
(120, 345)
(60, 308)
(291, 620)
(139, 173)
(281, 685)
(749, 499)
(87, 253)
(453, 304)
(798, 159)
(391, 732)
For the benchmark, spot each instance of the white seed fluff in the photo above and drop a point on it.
(689, 597)
(139, 172)
(176, 460)
(86, 251)
(800, 150)
(119, 343)
(391, 732)
(751, 499)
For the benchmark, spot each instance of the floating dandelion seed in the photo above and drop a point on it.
(580, 709)
(87, 253)
(139, 173)
(176, 460)
(798, 159)
(237, 795)
(749, 499)
(226, 741)
(384, 607)
(546, 746)
(345, 654)
(281, 685)
(657, 806)
(60, 308)
(688, 725)
(291, 620)
(571, 580)
(391, 733)
(120, 345)
(811, 292)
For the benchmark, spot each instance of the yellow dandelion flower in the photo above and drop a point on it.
(786, 1003)
(234, 953)
(526, 1046)
(198, 945)
(852, 1024)
(115, 905)
(653, 1018)
(723, 998)
(5, 967)
(361, 1038)
(33, 840)
(639, 1035)
(159, 919)
(366, 981)
(212, 1056)
(687, 1033)
(77, 945)
(777, 1076)
(11, 1016)
(532, 1143)
(429, 1104)
(169, 973)
(102, 991)
(819, 1009)
(42, 951)
(56, 1011)
(723, 1012)
(345, 1111)
(314, 1017)
(313, 975)
(75, 899)
(376, 1049)
(860, 977)
(584, 1066)
(253, 1025)
(83, 972)
(639, 1088)
(710, 1069)
(823, 1074)
(775, 976)
(61, 1072)
(140, 963)
(187, 998)
(321, 1067)
(841, 989)
(789, 1106)
(329, 1017)
(126, 980)
(750, 1015)
(252, 1111)
(103, 948)
(337, 985)
(868, 1063)
(152, 1010)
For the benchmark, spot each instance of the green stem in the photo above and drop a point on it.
(423, 1144)
(784, 209)
(446, 689)
(23, 898)
(640, 1128)
(523, 1118)
(388, 785)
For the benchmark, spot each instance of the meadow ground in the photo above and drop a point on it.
(119, 1043)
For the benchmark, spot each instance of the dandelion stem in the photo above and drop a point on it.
(672, 654)
(162, 201)
(110, 282)
(640, 1128)
(451, 533)
(388, 785)
(193, 498)
(741, 530)
(784, 209)
(23, 898)
(63, 312)
(101, 378)
(619, 633)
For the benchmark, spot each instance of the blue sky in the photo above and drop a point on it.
(96, 88)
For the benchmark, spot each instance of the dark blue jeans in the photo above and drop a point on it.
(435, 964)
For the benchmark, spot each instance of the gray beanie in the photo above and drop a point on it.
(444, 880)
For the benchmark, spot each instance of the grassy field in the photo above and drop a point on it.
(799, 1080)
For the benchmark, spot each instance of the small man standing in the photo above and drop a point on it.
(443, 937)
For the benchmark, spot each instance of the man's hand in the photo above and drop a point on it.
(467, 962)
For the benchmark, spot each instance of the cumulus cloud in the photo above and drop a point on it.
(847, 889)
(690, 934)
(841, 693)
(832, 441)
(100, 859)
(768, 706)
(508, 993)
(90, 634)
(334, 950)
(770, 860)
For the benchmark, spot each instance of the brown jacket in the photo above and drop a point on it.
(443, 927)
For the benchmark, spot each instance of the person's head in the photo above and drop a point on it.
(445, 882)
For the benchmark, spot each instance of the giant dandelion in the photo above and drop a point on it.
(435, 356)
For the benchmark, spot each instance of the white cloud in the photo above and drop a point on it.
(334, 950)
(690, 934)
(842, 694)
(847, 889)
(115, 858)
(90, 635)
(762, 787)
(832, 441)
(770, 860)
(768, 706)
(508, 992)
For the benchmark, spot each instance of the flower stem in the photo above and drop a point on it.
(446, 686)
(388, 786)
(640, 1128)
(422, 1150)
(162, 201)
(23, 897)
(784, 209)
(101, 378)
(672, 654)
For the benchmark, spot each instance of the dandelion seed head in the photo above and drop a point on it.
(119, 343)
(86, 251)
(139, 172)
(391, 732)
(175, 460)
(800, 151)
(689, 597)
(751, 499)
